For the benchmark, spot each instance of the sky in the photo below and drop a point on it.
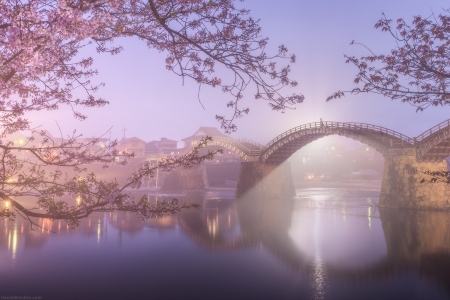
(151, 102)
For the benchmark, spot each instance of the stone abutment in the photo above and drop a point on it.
(401, 185)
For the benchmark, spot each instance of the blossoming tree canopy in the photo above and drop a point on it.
(42, 66)
(41, 40)
(417, 71)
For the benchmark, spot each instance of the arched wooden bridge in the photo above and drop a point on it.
(407, 161)
(432, 145)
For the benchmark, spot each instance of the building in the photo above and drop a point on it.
(226, 157)
(201, 133)
(163, 146)
(132, 145)
(94, 143)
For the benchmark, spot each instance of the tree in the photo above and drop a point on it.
(41, 68)
(417, 70)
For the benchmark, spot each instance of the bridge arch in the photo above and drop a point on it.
(247, 149)
(380, 138)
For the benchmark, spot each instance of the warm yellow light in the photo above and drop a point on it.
(367, 149)
(99, 231)
(7, 204)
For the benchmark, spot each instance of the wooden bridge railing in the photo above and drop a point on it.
(244, 140)
(393, 136)
(433, 130)
(343, 125)
(238, 144)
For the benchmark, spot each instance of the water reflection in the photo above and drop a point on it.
(329, 239)
(418, 240)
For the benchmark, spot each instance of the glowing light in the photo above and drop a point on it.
(320, 278)
(7, 204)
(212, 227)
(13, 241)
(99, 231)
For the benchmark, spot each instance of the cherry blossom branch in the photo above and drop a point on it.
(417, 71)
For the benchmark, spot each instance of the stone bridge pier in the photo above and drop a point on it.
(263, 180)
(401, 185)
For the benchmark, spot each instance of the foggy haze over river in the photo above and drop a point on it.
(326, 243)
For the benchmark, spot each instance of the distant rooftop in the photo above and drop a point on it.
(132, 139)
(204, 131)
(166, 140)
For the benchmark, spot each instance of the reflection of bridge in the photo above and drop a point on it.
(415, 240)
(406, 161)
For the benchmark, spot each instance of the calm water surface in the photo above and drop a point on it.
(327, 243)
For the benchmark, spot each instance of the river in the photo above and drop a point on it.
(329, 242)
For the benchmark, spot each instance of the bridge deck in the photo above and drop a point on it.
(432, 145)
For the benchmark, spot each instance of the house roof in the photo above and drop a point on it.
(167, 140)
(151, 147)
(132, 139)
(204, 131)
(154, 146)
(40, 135)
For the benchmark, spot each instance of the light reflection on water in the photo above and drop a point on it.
(324, 244)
